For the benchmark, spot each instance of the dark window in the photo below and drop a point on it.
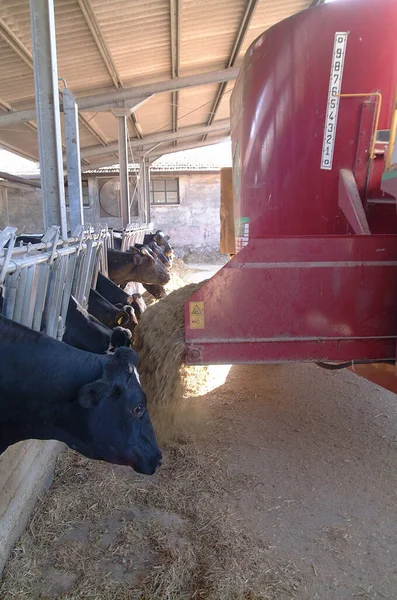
(86, 198)
(164, 191)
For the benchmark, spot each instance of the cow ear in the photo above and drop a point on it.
(145, 252)
(167, 237)
(137, 259)
(91, 394)
(122, 318)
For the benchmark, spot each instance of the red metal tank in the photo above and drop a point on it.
(278, 113)
(314, 117)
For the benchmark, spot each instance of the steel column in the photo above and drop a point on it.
(147, 182)
(71, 120)
(48, 113)
(141, 190)
(124, 182)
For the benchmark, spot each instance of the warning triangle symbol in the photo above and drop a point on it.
(196, 310)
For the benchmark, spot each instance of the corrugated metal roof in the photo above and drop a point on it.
(137, 38)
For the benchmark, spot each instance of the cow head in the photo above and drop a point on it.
(163, 241)
(120, 337)
(148, 268)
(115, 414)
(159, 253)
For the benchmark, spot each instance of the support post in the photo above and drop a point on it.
(71, 116)
(124, 181)
(147, 182)
(48, 113)
(141, 189)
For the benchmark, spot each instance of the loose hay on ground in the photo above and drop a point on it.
(117, 536)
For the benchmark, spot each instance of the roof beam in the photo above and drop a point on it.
(15, 44)
(96, 32)
(175, 36)
(187, 146)
(22, 51)
(17, 151)
(155, 138)
(89, 15)
(238, 42)
(6, 106)
(169, 85)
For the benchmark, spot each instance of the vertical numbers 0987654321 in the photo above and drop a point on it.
(335, 84)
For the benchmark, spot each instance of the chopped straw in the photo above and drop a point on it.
(160, 343)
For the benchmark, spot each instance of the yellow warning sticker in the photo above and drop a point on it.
(196, 313)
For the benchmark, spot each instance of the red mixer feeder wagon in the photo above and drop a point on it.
(314, 276)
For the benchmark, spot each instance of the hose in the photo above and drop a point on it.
(351, 363)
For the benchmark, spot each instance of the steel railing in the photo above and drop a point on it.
(38, 279)
(134, 234)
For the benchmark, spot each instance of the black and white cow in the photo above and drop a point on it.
(119, 297)
(93, 403)
(158, 252)
(110, 315)
(85, 332)
(161, 240)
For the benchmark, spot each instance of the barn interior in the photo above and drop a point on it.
(278, 480)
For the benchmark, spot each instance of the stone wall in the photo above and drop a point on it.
(194, 224)
(21, 206)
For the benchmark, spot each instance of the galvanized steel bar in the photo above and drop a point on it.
(72, 141)
(147, 182)
(124, 181)
(29, 296)
(42, 285)
(48, 113)
(10, 294)
(20, 291)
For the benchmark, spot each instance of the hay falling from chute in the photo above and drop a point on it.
(160, 343)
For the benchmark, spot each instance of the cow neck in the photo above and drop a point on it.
(52, 366)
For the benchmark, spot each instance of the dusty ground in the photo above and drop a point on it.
(285, 488)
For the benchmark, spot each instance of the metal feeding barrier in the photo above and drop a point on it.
(38, 279)
(133, 234)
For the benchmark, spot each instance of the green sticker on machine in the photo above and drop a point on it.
(242, 232)
(240, 225)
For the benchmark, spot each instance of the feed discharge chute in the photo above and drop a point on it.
(314, 118)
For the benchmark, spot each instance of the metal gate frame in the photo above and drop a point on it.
(37, 280)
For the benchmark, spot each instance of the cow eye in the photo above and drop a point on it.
(139, 410)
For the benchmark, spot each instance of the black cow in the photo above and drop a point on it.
(112, 292)
(85, 332)
(157, 291)
(162, 240)
(93, 403)
(119, 297)
(139, 305)
(110, 315)
(136, 265)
